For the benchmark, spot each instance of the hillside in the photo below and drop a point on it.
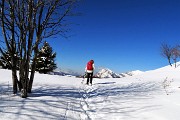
(153, 95)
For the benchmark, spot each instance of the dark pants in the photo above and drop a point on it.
(89, 76)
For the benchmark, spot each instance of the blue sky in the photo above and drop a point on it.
(121, 35)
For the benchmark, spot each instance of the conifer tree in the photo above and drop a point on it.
(5, 61)
(46, 59)
(24, 25)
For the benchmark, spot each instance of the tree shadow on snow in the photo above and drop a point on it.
(56, 101)
(46, 102)
(133, 89)
(56, 92)
(121, 94)
(126, 101)
(105, 83)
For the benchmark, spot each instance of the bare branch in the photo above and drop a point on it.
(166, 51)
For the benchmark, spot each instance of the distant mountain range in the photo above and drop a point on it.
(103, 73)
(64, 73)
(107, 73)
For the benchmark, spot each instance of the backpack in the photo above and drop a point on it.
(90, 65)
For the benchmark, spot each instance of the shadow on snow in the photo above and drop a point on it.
(56, 99)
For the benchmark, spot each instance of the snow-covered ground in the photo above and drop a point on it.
(152, 95)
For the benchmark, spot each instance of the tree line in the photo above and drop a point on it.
(45, 61)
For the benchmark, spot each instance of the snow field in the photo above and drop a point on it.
(153, 95)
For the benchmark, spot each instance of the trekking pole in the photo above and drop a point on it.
(83, 78)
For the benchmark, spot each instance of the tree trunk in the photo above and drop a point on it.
(14, 80)
(24, 88)
(169, 62)
(175, 62)
(33, 69)
(24, 76)
(26, 79)
(31, 78)
(14, 77)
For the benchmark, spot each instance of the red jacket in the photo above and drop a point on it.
(90, 66)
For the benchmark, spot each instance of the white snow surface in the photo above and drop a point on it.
(152, 95)
(135, 72)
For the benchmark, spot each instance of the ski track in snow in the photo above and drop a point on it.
(86, 93)
(82, 102)
(154, 95)
(95, 102)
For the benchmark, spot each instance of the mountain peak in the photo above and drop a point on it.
(107, 73)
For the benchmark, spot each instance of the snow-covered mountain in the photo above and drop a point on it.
(64, 72)
(60, 73)
(107, 73)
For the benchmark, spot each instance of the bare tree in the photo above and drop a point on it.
(166, 51)
(175, 54)
(25, 23)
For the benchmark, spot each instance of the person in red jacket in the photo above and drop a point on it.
(89, 70)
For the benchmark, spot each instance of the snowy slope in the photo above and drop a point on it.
(152, 95)
(136, 72)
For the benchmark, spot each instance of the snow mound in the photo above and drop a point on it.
(131, 73)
